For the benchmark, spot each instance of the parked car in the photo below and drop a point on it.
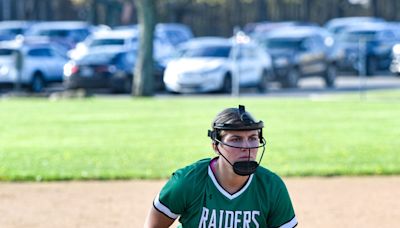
(9, 30)
(66, 33)
(171, 33)
(337, 25)
(258, 30)
(109, 68)
(113, 38)
(299, 52)
(40, 63)
(210, 64)
(367, 48)
(395, 63)
(167, 36)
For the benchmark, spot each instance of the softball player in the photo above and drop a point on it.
(230, 190)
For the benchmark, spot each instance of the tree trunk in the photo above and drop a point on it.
(143, 80)
(261, 10)
(374, 8)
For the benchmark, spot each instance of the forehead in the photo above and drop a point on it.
(230, 133)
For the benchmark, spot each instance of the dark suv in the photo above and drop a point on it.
(299, 52)
(372, 43)
(110, 68)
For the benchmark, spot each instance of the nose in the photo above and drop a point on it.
(246, 145)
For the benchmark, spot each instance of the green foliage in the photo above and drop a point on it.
(124, 138)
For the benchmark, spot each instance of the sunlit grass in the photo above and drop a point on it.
(125, 138)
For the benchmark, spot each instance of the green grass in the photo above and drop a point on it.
(104, 138)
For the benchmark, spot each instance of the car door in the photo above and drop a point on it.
(38, 63)
(320, 60)
(310, 57)
(248, 65)
(57, 61)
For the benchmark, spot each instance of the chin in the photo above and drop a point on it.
(246, 159)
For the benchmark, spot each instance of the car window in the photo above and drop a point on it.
(208, 51)
(98, 57)
(101, 42)
(40, 52)
(356, 36)
(318, 42)
(130, 58)
(126, 59)
(176, 37)
(79, 34)
(282, 43)
(6, 52)
(54, 33)
(386, 35)
(307, 44)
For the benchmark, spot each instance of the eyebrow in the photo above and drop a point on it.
(240, 136)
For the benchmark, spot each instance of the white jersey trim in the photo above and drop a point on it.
(292, 223)
(161, 207)
(223, 191)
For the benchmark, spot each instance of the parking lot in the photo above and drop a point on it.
(307, 87)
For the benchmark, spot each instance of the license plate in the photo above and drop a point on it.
(87, 72)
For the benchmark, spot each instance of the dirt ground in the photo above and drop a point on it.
(319, 202)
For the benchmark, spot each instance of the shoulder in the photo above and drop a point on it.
(180, 189)
(193, 169)
(269, 179)
(192, 173)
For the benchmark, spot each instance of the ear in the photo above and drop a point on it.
(214, 146)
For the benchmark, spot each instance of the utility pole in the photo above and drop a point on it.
(6, 9)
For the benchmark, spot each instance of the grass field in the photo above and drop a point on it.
(145, 138)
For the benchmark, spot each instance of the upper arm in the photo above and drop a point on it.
(168, 204)
(282, 214)
(156, 219)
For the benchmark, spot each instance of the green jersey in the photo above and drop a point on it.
(194, 194)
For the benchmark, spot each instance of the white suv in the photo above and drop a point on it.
(104, 39)
(210, 64)
(40, 63)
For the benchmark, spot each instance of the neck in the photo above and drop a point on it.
(228, 179)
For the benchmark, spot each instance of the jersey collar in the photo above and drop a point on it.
(223, 191)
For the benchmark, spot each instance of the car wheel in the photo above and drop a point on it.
(263, 84)
(127, 86)
(292, 79)
(37, 83)
(330, 76)
(227, 84)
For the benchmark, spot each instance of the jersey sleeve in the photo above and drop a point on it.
(171, 200)
(282, 213)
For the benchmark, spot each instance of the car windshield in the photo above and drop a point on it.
(98, 57)
(6, 52)
(279, 43)
(54, 33)
(207, 51)
(358, 35)
(101, 42)
(14, 31)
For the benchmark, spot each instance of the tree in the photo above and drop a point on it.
(143, 80)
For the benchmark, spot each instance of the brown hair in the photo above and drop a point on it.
(229, 116)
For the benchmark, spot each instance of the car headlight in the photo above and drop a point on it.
(396, 49)
(4, 70)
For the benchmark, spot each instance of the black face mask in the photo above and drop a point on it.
(244, 168)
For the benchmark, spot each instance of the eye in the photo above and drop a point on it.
(253, 138)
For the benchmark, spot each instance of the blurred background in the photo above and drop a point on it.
(200, 46)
